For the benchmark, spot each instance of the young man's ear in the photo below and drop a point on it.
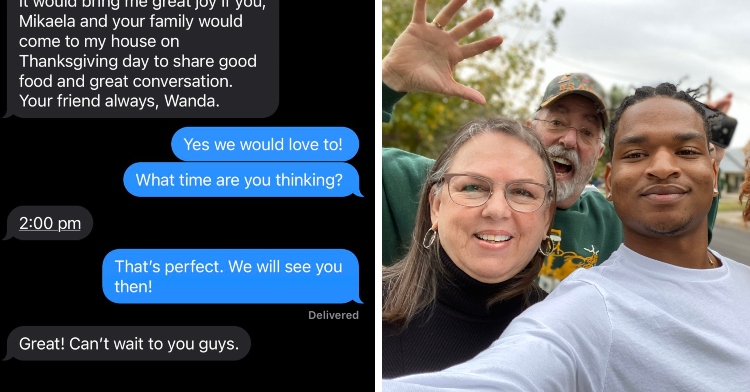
(716, 177)
(607, 180)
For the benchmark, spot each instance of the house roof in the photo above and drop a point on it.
(734, 161)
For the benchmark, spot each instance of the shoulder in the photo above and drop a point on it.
(575, 297)
(537, 294)
(580, 285)
(398, 156)
(579, 296)
(594, 196)
(734, 266)
(404, 163)
(591, 208)
(575, 312)
(594, 202)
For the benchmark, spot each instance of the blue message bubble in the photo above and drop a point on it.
(265, 144)
(241, 179)
(231, 276)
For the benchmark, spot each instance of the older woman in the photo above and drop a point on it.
(479, 241)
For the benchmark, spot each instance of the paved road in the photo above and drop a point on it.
(732, 243)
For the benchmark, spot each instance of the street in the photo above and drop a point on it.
(732, 242)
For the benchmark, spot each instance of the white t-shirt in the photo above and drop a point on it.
(630, 324)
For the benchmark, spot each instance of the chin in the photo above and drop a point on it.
(670, 228)
(491, 274)
(565, 189)
(489, 280)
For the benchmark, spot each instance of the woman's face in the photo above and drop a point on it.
(499, 158)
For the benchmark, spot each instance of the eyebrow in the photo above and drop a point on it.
(528, 179)
(682, 136)
(558, 108)
(593, 118)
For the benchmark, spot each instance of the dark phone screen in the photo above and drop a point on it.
(722, 127)
(310, 338)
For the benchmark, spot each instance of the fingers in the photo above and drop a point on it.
(419, 15)
(722, 104)
(455, 89)
(725, 103)
(468, 26)
(475, 48)
(470, 94)
(448, 12)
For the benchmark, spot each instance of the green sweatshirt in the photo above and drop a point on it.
(584, 235)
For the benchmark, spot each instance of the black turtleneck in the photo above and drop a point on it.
(456, 329)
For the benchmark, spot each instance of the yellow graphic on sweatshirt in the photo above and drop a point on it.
(559, 264)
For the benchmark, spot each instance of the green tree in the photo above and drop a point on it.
(506, 76)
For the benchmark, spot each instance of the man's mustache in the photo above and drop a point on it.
(562, 152)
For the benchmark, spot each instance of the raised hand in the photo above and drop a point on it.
(424, 56)
(722, 104)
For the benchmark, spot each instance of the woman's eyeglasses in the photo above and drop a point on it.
(473, 191)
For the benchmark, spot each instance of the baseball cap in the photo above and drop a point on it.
(576, 83)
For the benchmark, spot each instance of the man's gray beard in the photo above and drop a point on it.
(581, 176)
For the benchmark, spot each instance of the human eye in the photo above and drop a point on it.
(587, 136)
(688, 151)
(633, 155)
(554, 125)
(473, 188)
(467, 184)
(525, 191)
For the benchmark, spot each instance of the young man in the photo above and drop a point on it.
(571, 120)
(664, 312)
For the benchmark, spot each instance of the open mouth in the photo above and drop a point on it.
(494, 239)
(562, 165)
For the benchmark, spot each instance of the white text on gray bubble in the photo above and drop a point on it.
(135, 344)
(204, 346)
(199, 4)
(58, 344)
(155, 4)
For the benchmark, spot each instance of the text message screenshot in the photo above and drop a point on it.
(189, 181)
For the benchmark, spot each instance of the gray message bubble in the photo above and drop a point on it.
(143, 59)
(118, 343)
(49, 223)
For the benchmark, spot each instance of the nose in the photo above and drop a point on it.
(570, 138)
(662, 165)
(497, 206)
